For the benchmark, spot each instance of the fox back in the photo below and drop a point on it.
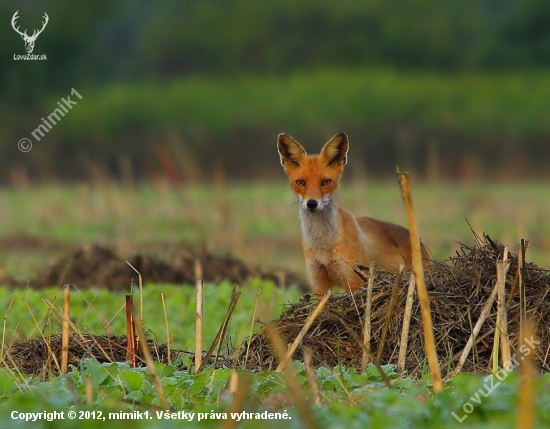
(334, 240)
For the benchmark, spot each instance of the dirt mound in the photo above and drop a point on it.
(6, 280)
(458, 291)
(24, 243)
(99, 266)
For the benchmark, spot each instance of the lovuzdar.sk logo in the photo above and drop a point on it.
(29, 40)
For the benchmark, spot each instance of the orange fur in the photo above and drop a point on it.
(334, 240)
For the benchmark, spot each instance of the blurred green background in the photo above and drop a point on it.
(446, 89)
(173, 138)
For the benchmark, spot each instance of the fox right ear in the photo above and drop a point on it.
(290, 151)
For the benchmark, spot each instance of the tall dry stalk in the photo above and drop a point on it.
(306, 351)
(502, 317)
(484, 313)
(290, 352)
(524, 244)
(421, 290)
(235, 294)
(168, 339)
(89, 391)
(367, 321)
(150, 362)
(65, 331)
(140, 282)
(4, 329)
(406, 325)
(501, 328)
(130, 332)
(251, 327)
(198, 318)
(527, 372)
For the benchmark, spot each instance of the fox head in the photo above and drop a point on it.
(313, 178)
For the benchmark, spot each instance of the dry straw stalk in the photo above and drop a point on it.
(65, 332)
(406, 325)
(290, 352)
(198, 316)
(421, 283)
(368, 315)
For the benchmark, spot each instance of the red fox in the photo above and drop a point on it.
(334, 240)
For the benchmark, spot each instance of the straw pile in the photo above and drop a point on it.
(458, 290)
(42, 356)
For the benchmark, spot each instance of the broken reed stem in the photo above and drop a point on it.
(168, 340)
(406, 325)
(65, 332)
(502, 317)
(306, 351)
(421, 290)
(389, 313)
(251, 327)
(527, 372)
(150, 362)
(198, 318)
(235, 294)
(290, 352)
(484, 313)
(233, 383)
(130, 332)
(521, 270)
(140, 280)
(279, 348)
(368, 316)
(495, 353)
(89, 391)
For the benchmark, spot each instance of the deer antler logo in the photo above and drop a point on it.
(29, 40)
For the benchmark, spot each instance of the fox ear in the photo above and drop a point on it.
(335, 152)
(290, 151)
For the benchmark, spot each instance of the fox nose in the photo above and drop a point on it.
(312, 204)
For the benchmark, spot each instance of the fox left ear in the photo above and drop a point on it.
(290, 151)
(335, 152)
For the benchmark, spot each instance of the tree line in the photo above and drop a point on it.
(96, 45)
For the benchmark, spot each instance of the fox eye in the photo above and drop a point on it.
(301, 182)
(326, 182)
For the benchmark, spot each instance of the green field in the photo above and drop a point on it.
(258, 223)
(255, 221)
(350, 399)
(348, 396)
